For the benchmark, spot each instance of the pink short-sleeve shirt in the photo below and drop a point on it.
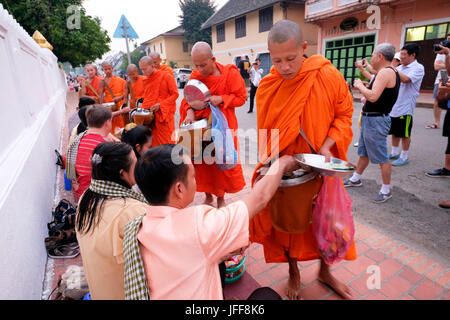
(181, 249)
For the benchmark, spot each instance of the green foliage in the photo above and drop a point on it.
(173, 64)
(135, 56)
(194, 14)
(49, 17)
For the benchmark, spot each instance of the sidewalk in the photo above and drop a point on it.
(406, 274)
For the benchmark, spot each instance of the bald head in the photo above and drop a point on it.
(146, 59)
(154, 55)
(285, 30)
(147, 66)
(201, 49)
(132, 68)
(106, 64)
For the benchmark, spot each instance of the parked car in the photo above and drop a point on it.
(182, 76)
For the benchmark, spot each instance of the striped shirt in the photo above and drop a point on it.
(83, 165)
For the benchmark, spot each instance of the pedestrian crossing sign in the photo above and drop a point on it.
(125, 30)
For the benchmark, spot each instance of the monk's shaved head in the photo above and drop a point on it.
(284, 30)
(132, 68)
(203, 59)
(154, 55)
(202, 48)
(146, 59)
(106, 64)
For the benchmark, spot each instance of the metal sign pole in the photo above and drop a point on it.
(126, 39)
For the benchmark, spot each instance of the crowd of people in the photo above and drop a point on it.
(141, 236)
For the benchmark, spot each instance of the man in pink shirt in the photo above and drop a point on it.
(181, 247)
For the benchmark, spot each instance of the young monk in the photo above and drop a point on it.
(227, 92)
(136, 94)
(90, 87)
(117, 86)
(160, 96)
(137, 85)
(311, 93)
(156, 58)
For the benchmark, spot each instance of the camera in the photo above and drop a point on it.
(445, 43)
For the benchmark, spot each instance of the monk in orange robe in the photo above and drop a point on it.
(160, 96)
(311, 93)
(228, 92)
(117, 86)
(137, 87)
(162, 67)
(90, 86)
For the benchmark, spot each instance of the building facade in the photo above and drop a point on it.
(240, 28)
(350, 29)
(171, 46)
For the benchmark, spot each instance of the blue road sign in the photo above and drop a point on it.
(123, 26)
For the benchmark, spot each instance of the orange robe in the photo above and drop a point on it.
(95, 83)
(160, 88)
(117, 86)
(317, 98)
(138, 88)
(231, 87)
(166, 68)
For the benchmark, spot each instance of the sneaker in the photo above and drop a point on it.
(350, 183)
(394, 156)
(356, 144)
(381, 197)
(439, 173)
(400, 162)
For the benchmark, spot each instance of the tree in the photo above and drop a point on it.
(135, 56)
(79, 45)
(194, 14)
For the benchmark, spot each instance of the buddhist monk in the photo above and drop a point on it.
(117, 88)
(227, 92)
(160, 97)
(90, 86)
(311, 93)
(157, 64)
(137, 86)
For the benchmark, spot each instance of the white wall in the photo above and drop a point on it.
(32, 107)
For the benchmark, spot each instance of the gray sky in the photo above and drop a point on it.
(147, 17)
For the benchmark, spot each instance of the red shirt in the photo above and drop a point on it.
(83, 164)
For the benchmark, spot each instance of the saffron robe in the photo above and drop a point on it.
(231, 87)
(160, 88)
(117, 86)
(317, 98)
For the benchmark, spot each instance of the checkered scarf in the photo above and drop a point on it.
(135, 281)
(112, 189)
(71, 158)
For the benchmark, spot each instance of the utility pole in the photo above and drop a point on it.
(125, 35)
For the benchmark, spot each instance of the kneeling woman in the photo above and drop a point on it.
(103, 211)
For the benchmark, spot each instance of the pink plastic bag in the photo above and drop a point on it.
(332, 220)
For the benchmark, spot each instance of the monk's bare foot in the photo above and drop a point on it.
(339, 287)
(220, 202)
(209, 199)
(293, 287)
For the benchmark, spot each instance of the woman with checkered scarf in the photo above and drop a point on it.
(103, 211)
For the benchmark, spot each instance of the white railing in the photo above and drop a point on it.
(32, 106)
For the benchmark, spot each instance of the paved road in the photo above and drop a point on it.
(412, 215)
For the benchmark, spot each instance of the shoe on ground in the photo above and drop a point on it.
(356, 144)
(249, 111)
(348, 183)
(439, 173)
(381, 197)
(394, 156)
(445, 204)
(400, 162)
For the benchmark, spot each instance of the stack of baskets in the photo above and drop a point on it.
(235, 268)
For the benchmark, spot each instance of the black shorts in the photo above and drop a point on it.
(401, 126)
